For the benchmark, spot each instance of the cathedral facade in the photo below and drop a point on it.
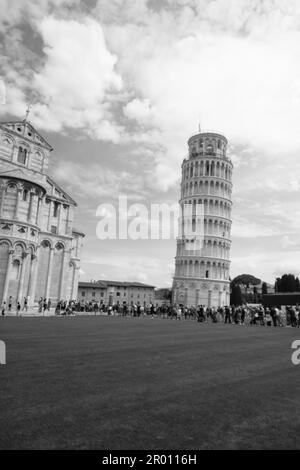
(203, 246)
(39, 247)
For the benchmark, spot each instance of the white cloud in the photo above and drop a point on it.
(266, 266)
(142, 268)
(98, 183)
(140, 110)
(75, 79)
(232, 63)
(14, 12)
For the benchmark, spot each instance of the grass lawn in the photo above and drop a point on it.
(126, 383)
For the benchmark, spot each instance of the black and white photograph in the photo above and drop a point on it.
(149, 228)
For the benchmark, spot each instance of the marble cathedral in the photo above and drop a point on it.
(39, 247)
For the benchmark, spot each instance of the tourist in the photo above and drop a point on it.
(268, 317)
(227, 314)
(293, 317)
(3, 308)
(25, 305)
(178, 313)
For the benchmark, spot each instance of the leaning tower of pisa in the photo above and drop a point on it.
(203, 245)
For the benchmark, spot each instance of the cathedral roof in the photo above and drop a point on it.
(63, 193)
(26, 131)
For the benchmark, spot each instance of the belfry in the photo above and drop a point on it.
(202, 270)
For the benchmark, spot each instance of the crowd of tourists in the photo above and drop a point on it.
(240, 315)
(237, 315)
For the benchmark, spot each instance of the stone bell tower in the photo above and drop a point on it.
(203, 254)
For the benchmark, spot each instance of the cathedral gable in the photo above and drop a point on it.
(25, 130)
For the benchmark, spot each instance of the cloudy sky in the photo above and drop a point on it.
(118, 86)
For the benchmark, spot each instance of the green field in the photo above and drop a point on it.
(129, 383)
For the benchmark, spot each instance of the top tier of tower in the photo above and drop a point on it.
(207, 144)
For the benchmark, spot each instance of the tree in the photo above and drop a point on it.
(287, 283)
(278, 284)
(236, 295)
(246, 279)
(264, 288)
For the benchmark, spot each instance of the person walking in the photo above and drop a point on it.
(178, 313)
(18, 309)
(25, 305)
(227, 314)
(268, 317)
(274, 314)
(3, 308)
(293, 317)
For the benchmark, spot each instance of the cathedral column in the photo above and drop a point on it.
(59, 214)
(15, 154)
(62, 273)
(29, 155)
(74, 289)
(19, 190)
(25, 259)
(31, 196)
(68, 222)
(50, 216)
(7, 275)
(3, 191)
(32, 279)
(49, 274)
(40, 212)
